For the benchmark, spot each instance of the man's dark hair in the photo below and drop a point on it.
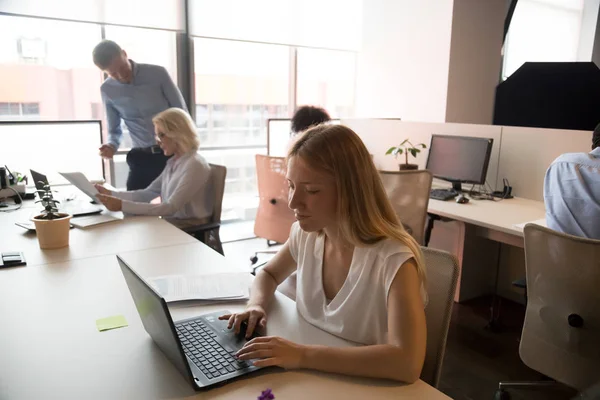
(105, 52)
(307, 116)
(596, 137)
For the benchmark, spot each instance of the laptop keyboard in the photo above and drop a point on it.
(199, 344)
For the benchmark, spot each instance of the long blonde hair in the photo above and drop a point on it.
(364, 211)
(177, 124)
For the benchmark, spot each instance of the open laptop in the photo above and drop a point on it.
(75, 209)
(201, 348)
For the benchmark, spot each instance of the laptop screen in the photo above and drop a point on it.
(156, 318)
(39, 179)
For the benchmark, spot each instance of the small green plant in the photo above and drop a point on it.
(405, 148)
(49, 203)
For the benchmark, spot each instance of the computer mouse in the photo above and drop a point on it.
(461, 199)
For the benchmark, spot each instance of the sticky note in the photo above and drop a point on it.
(114, 322)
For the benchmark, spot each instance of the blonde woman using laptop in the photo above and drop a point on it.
(360, 275)
(183, 186)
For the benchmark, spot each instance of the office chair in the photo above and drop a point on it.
(409, 193)
(561, 332)
(274, 219)
(442, 278)
(209, 233)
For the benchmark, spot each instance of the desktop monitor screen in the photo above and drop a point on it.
(459, 158)
(51, 147)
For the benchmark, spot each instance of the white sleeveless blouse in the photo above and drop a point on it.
(359, 310)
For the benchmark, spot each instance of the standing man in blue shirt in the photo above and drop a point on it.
(134, 93)
(572, 192)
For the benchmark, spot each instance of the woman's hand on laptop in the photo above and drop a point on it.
(110, 202)
(254, 314)
(272, 350)
(102, 190)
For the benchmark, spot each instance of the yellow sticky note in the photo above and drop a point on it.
(114, 322)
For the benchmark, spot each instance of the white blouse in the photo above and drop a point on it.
(183, 186)
(358, 312)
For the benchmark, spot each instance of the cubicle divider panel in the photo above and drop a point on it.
(528, 152)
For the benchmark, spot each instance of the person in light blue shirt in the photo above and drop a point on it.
(134, 93)
(572, 192)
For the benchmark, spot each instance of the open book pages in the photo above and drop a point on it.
(209, 287)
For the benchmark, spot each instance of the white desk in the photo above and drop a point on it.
(131, 233)
(50, 347)
(499, 217)
(465, 234)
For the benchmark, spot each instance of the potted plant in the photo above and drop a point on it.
(51, 226)
(405, 148)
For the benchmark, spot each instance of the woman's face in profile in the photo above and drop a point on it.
(166, 143)
(312, 196)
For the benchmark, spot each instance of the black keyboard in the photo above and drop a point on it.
(442, 194)
(199, 344)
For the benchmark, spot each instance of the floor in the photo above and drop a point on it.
(476, 359)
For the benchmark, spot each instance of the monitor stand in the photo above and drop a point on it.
(457, 187)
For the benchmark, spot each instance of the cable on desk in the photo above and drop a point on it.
(18, 205)
(481, 194)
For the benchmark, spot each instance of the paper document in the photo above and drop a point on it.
(222, 286)
(91, 220)
(79, 180)
(541, 222)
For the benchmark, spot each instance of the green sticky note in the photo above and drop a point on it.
(114, 322)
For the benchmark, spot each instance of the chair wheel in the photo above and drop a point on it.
(502, 395)
(254, 260)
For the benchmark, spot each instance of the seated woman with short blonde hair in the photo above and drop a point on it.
(183, 186)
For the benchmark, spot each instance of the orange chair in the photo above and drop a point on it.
(273, 219)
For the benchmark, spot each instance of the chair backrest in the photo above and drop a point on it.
(563, 291)
(409, 193)
(442, 277)
(274, 219)
(217, 178)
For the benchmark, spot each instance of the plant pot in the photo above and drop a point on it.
(52, 233)
(408, 167)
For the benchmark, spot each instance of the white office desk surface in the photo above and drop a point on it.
(499, 216)
(131, 233)
(51, 349)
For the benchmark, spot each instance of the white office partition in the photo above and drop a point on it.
(278, 136)
(380, 134)
(528, 152)
(50, 147)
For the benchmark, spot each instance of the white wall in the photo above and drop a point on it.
(402, 68)
(475, 60)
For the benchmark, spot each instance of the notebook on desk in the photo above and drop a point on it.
(201, 348)
(93, 220)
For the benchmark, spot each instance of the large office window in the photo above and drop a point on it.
(327, 78)
(543, 30)
(46, 69)
(239, 86)
(249, 66)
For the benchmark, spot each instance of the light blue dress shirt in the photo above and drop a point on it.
(151, 91)
(572, 194)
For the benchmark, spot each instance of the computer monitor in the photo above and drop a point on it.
(52, 146)
(459, 159)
